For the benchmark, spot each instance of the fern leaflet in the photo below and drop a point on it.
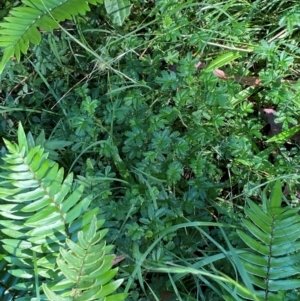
(273, 238)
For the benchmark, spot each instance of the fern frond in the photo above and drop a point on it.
(42, 214)
(22, 27)
(84, 281)
(274, 260)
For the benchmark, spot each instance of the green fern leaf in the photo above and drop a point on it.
(54, 297)
(273, 262)
(42, 212)
(88, 268)
(22, 27)
(45, 214)
(117, 297)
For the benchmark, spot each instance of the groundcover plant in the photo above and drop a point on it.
(171, 124)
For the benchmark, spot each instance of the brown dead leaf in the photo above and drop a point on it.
(248, 80)
(220, 73)
(117, 259)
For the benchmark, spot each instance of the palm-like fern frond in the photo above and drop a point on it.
(23, 25)
(274, 260)
(41, 215)
(86, 265)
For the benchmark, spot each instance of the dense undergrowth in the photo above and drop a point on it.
(171, 120)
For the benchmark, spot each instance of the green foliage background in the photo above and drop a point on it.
(167, 151)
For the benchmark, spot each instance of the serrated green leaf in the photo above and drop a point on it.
(275, 262)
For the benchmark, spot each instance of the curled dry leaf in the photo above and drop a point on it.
(117, 259)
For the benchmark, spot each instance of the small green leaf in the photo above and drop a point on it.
(26, 274)
(72, 199)
(70, 259)
(8, 53)
(106, 277)
(174, 172)
(80, 252)
(71, 274)
(56, 144)
(22, 139)
(276, 196)
(79, 209)
(254, 244)
(117, 297)
(90, 294)
(256, 231)
(52, 296)
(89, 235)
(109, 288)
(257, 211)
